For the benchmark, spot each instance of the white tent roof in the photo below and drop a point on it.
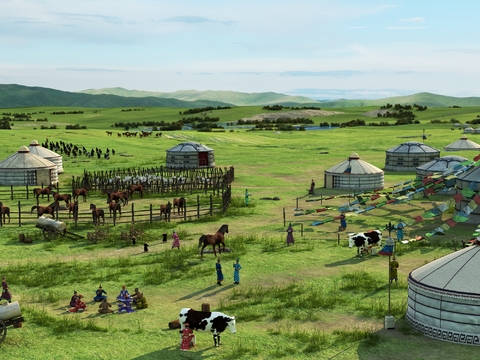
(36, 149)
(358, 167)
(190, 147)
(412, 147)
(462, 144)
(23, 159)
(441, 164)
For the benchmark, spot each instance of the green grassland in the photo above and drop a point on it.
(312, 300)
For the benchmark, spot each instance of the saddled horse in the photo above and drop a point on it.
(5, 211)
(42, 210)
(165, 209)
(215, 239)
(62, 197)
(77, 192)
(180, 204)
(43, 191)
(114, 207)
(97, 214)
(73, 208)
(136, 188)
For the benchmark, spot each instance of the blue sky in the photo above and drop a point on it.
(358, 49)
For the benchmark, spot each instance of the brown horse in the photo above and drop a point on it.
(136, 188)
(5, 211)
(180, 204)
(215, 239)
(62, 197)
(115, 206)
(165, 209)
(118, 196)
(73, 208)
(43, 191)
(42, 210)
(78, 192)
(97, 214)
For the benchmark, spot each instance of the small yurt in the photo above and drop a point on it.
(24, 168)
(469, 130)
(409, 155)
(45, 153)
(439, 165)
(354, 174)
(468, 180)
(190, 155)
(462, 144)
(444, 297)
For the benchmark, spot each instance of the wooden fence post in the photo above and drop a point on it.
(211, 205)
(133, 213)
(185, 210)
(11, 192)
(27, 190)
(284, 218)
(301, 229)
(19, 215)
(151, 213)
(198, 206)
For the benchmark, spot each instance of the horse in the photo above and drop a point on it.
(216, 239)
(43, 191)
(97, 214)
(136, 187)
(59, 197)
(78, 192)
(118, 196)
(165, 209)
(115, 206)
(5, 211)
(180, 204)
(41, 210)
(73, 208)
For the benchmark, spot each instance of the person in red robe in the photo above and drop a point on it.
(6, 295)
(187, 337)
(80, 305)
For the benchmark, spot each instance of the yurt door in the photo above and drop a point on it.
(43, 177)
(203, 158)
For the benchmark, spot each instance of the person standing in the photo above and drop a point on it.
(343, 221)
(247, 197)
(290, 239)
(6, 294)
(176, 240)
(218, 267)
(164, 237)
(145, 247)
(393, 269)
(312, 188)
(236, 272)
(400, 231)
(187, 338)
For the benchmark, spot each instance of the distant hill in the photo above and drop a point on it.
(17, 96)
(230, 97)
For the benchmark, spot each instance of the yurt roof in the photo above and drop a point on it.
(462, 144)
(413, 147)
(357, 165)
(442, 163)
(36, 149)
(452, 275)
(472, 175)
(23, 159)
(190, 147)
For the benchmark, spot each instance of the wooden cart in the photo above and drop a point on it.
(53, 229)
(10, 315)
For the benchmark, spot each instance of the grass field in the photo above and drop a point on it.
(312, 300)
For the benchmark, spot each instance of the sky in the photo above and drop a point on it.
(353, 49)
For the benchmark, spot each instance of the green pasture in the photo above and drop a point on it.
(312, 300)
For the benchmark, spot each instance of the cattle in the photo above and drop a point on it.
(362, 240)
(216, 322)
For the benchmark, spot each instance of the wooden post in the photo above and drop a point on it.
(151, 213)
(211, 205)
(338, 239)
(301, 229)
(19, 215)
(11, 192)
(27, 190)
(133, 213)
(198, 206)
(296, 207)
(185, 210)
(284, 218)
(321, 199)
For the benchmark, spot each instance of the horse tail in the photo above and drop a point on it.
(33, 208)
(201, 240)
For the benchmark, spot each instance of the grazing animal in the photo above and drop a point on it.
(362, 240)
(42, 210)
(97, 214)
(5, 211)
(59, 197)
(43, 191)
(215, 322)
(118, 196)
(114, 207)
(165, 209)
(73, 208)
(78, 192)
(180, 204)
(136, 188)
(215, 239)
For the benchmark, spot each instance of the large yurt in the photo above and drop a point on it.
(409, 155)
(462, 144)
(36, 149)
(444, 297)
(24, 168)
(439, 165)
(354, 174)
(190, 155)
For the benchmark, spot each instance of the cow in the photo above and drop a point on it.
(216, 322)
(362, 240)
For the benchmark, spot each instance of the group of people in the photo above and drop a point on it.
(236, 272)
(124, 299)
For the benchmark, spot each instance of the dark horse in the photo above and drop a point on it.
(136, 188)
(165, 209)
(62, 197)
(78, 192)
(43, 191)
(5, 211)
(73, 208)
(216, 239)
(180, 204)
(118, 196)
(115, 206)
(97, 214)
(41, 210)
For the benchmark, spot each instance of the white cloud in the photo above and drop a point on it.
(413, 20)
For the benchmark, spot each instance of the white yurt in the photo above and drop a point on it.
(439, 165)
(354, 174)
(190, 155)
(45, 153)
(24, 168)
(409, 155)
(471, 180)
(444, 297)
(462, 144)
(468, 130)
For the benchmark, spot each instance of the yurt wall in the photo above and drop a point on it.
(190, 155)
(408, 156)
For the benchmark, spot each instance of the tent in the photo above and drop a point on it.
(190, 155)
(45, 153)
(409, 155)
(462, 144)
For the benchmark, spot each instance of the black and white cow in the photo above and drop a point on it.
(364, 240)
(216, 322)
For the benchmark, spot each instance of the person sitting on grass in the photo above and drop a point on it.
(99, 294)
(104, 307)
(123, 294)
(126, 306)
(79, 305)
(73, 300)
(139, 299)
